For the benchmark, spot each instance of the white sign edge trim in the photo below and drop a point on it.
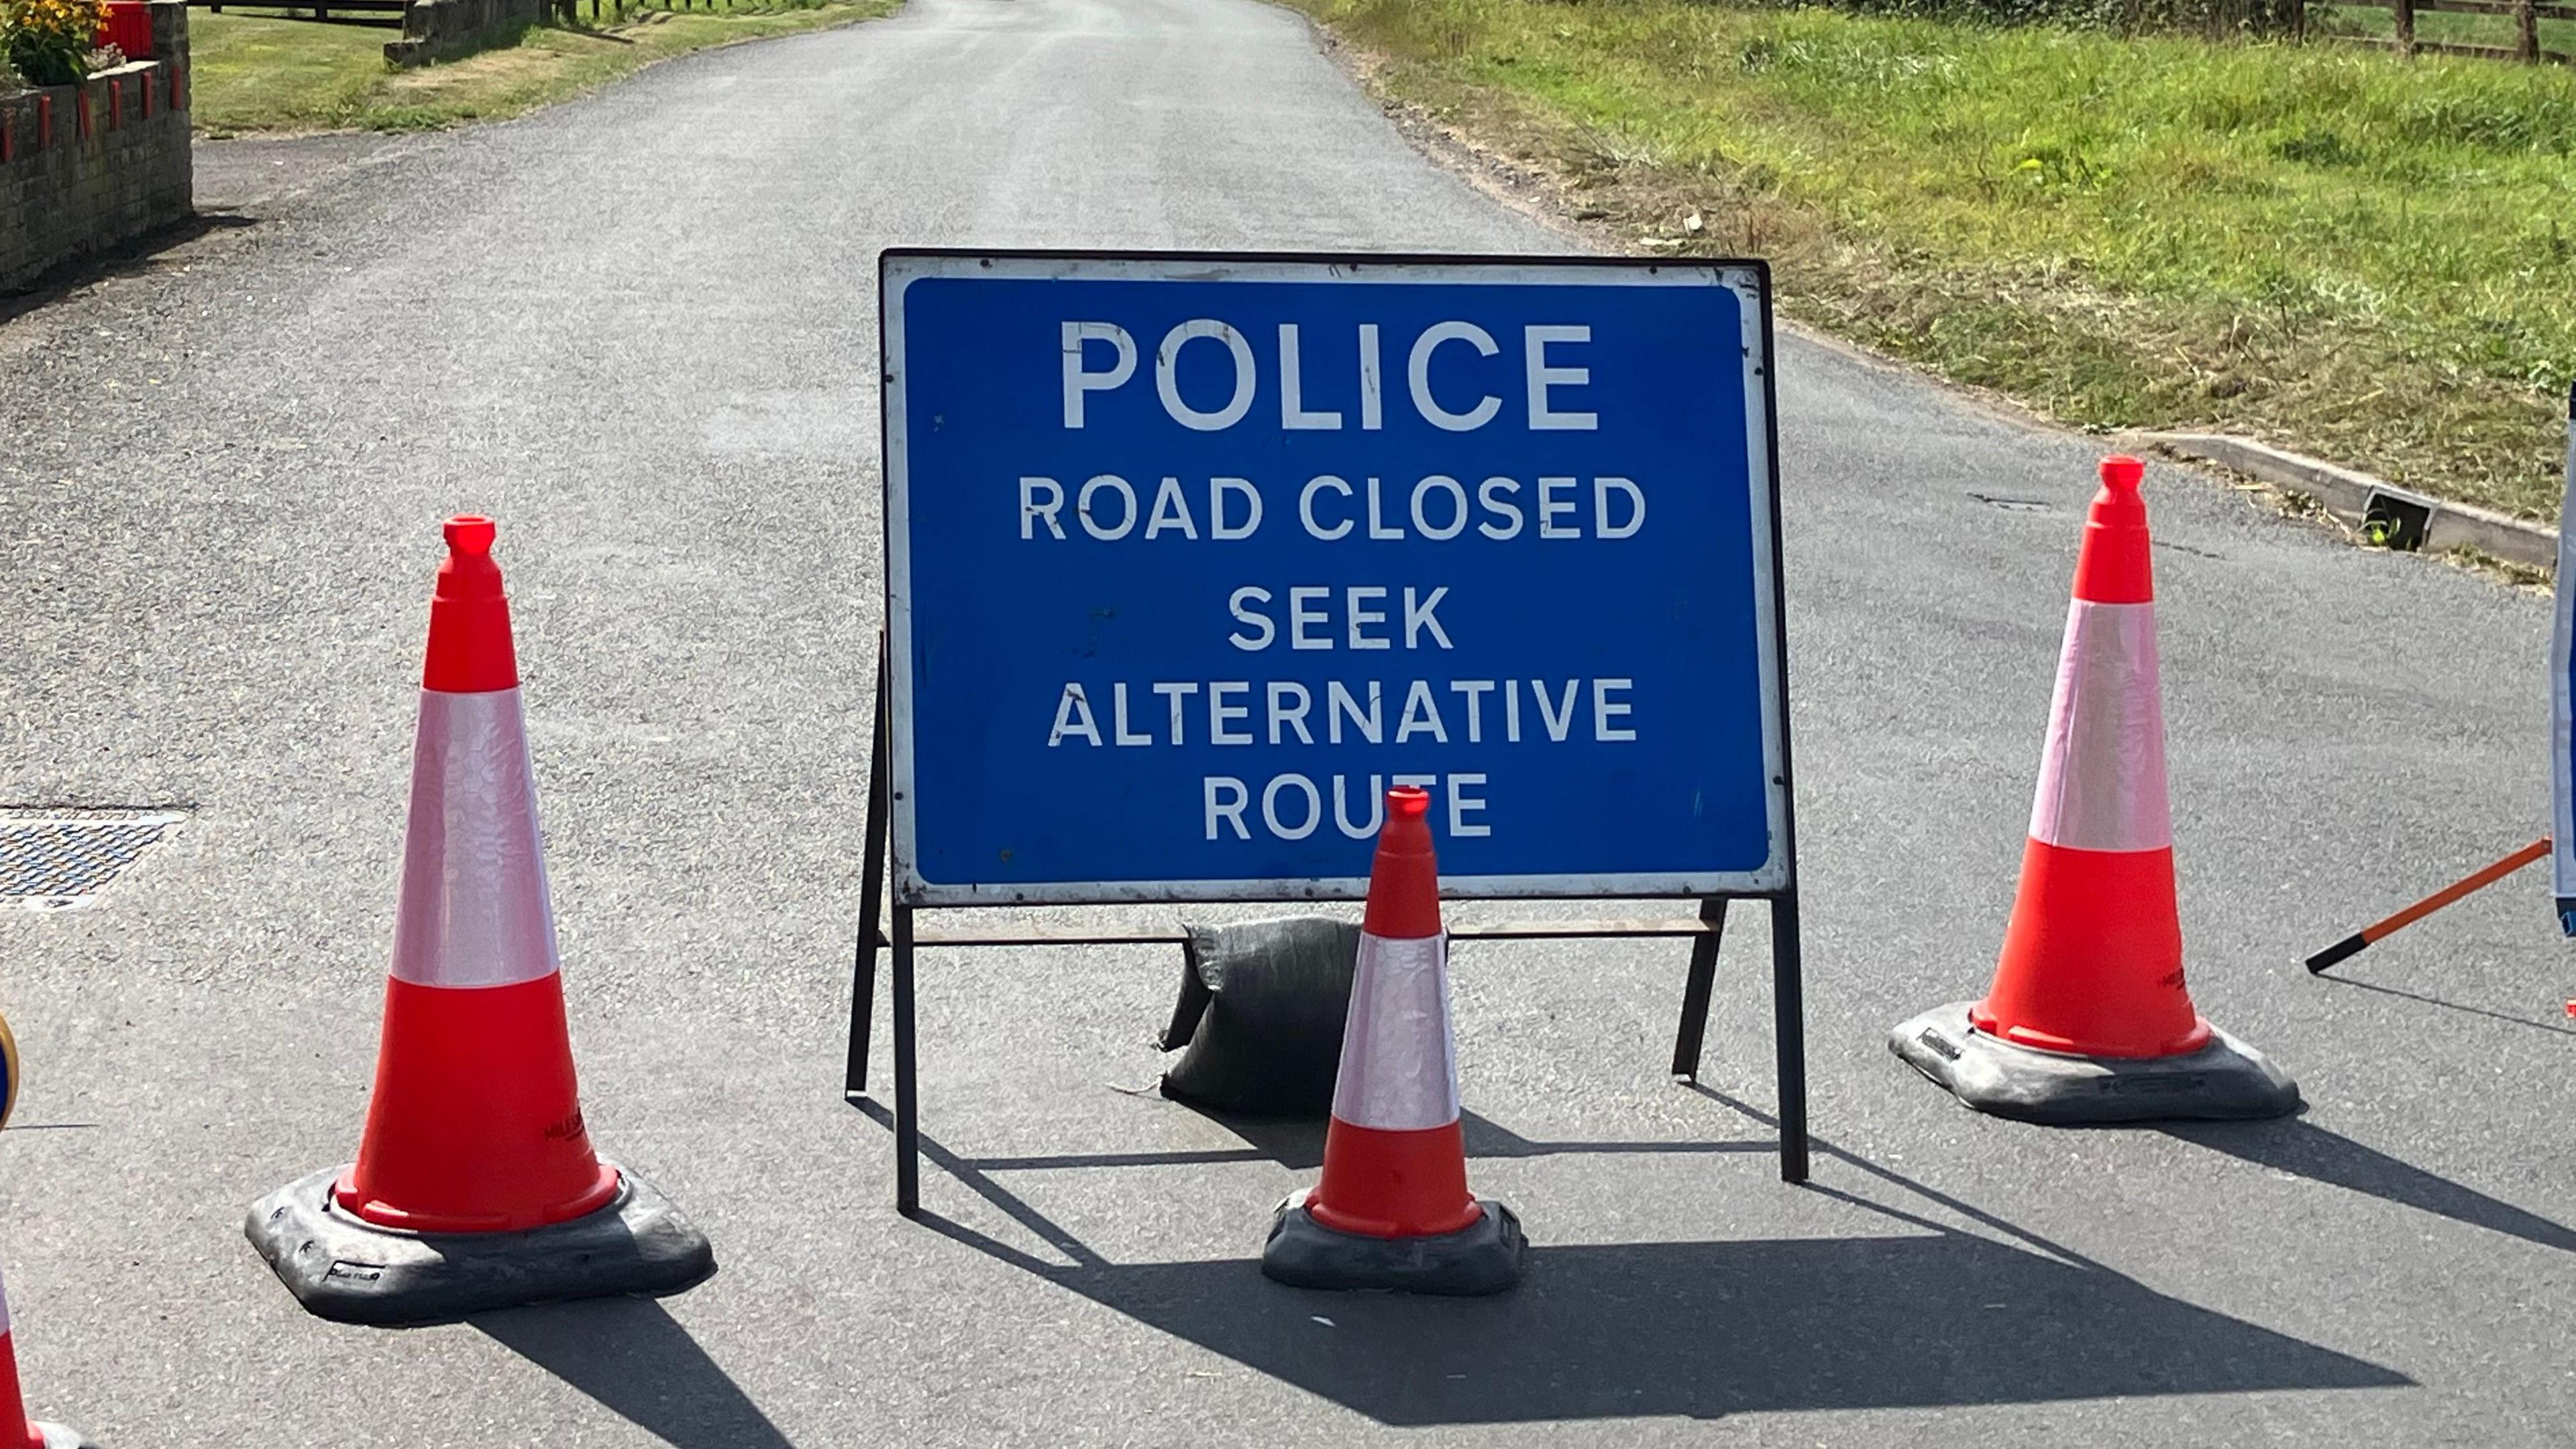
(896, 273)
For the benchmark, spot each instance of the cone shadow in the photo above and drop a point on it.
(631, 1356)
(2306, 1150)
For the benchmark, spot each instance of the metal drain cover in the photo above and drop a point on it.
(59, 859)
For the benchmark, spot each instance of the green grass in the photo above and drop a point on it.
(2349, 254)
(266, 75)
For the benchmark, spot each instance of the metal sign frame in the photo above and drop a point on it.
(887, 917)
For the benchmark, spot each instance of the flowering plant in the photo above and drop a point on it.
(49, 41)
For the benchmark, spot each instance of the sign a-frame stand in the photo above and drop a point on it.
(893, 891)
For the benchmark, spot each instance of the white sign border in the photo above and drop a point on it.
(898, 268)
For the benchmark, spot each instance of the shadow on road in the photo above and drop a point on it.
(1300, 1146)
(634, 1358)
(2460, 1006)
(125, 259)
(1710, 1329)
(1704, 1329)
(2294, 1146)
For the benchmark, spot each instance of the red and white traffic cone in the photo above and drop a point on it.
(1392, 1209)
(475, 1123)
(474, 1137)
(2088, 1019)
(13, 1408)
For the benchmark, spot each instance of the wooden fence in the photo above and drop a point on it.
(2526, 16)
(389, 13)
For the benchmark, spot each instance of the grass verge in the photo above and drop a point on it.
(254, 74)
(2359, 257)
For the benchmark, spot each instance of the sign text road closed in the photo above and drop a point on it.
(1190, 558)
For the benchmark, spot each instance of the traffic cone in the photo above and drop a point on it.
(1392, 1209)
(13, 1408)
(475, 1184)
(2088, 1019)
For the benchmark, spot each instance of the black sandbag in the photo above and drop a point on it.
(1261, 1011)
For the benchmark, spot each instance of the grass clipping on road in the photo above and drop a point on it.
(255, 75)
(2345, 253)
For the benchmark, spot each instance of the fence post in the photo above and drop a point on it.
(2526, 19)
(2405, 26)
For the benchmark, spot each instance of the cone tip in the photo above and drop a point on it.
(1404, 881)
(471, 533)
(2122, 473)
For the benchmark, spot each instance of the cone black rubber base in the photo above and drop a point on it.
(340, 1266)
(1479, 1259)
(2225, 1079)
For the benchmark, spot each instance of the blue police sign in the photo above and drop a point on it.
(1191, 557)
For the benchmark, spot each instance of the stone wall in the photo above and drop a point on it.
(444, 29)
(88, 167)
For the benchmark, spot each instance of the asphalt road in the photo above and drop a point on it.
(639, 329)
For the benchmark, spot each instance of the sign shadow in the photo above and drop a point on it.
(1936, 1318)
(1298, 1144)
(1709, 1329)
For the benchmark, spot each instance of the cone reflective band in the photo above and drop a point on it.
(474, 1131)
(1399, 1074)
(2089, 1017)
(13, 1406)
(474, 909)
(1391, 1208)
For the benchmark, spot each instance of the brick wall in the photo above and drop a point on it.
(86, 167)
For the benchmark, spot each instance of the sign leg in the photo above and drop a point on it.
(1789, 1009)
(907, 1108)
(872, 870)
(1700, 986)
